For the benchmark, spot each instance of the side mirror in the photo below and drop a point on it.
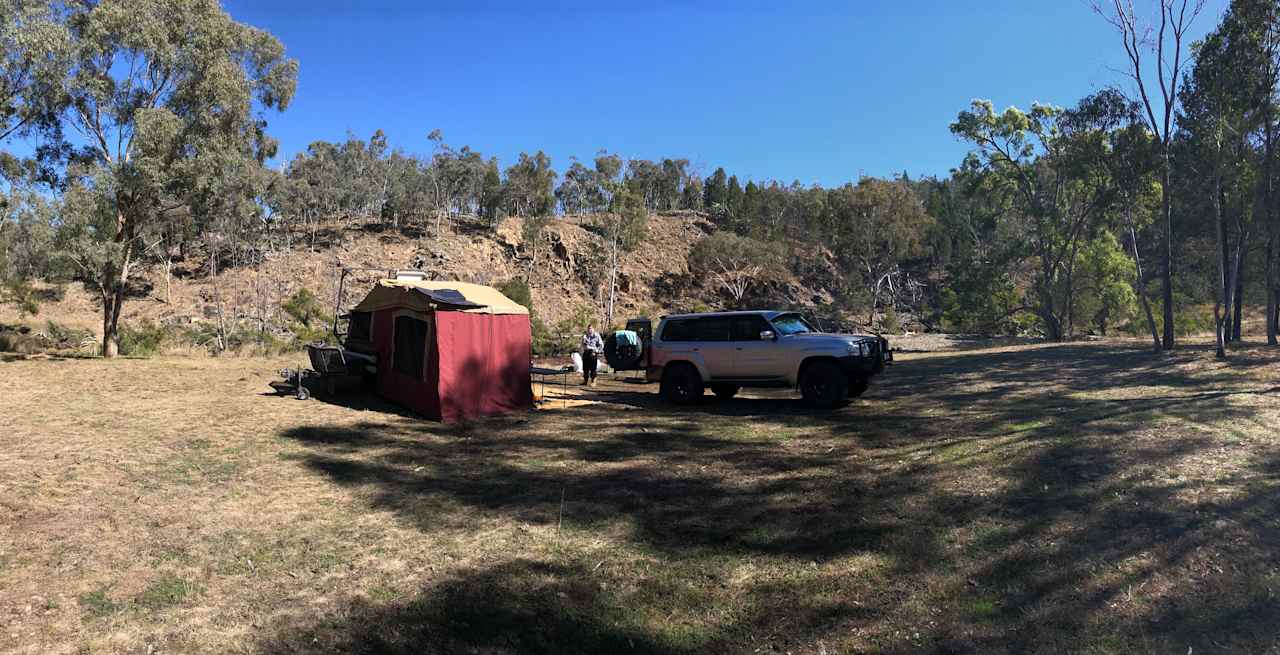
(768, 335)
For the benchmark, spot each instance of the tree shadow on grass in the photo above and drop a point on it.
(1019, 502)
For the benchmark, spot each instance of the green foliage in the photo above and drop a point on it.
(20, 294)
(165, 591)
(65, 337)
(518, 290)
(310, 322)
(889, 322)
(146, 338)
(181, 126)
(97, 604)
(1104, 294)
(735, 266)
(544, 341)
(563, 337)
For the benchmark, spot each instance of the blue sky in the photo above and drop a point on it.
(794, 91)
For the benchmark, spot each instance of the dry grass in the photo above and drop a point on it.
(1086, 498)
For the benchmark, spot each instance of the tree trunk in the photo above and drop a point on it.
(1270, 212)
(115, 276)
(1238, 314)
(1166, 273)
(168, 276)
(112, 302)
(1222, 305)
(1224, 256)
(613, 281)
(1140, 279)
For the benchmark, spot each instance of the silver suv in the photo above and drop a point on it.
(730, 350)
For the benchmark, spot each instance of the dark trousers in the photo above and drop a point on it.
(588, 366)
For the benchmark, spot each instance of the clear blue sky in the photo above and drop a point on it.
(807, 91)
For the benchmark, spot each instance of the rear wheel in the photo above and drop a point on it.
(681, 384)
(724, 391)
(858, 387)
(824, 385)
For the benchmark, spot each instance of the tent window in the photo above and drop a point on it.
(411, 346)
(359, 326)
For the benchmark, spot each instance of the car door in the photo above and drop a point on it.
(713, 344)
(755, 358)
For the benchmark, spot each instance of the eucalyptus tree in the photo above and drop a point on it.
(577, 189)
(715, 190)
(624, 228)
(1164, 40)
(529, 183)
(34, 44)
(1058, 188)
(874, 226)
(1218, 100)
(34, 49)
(168, 98)
(608, 168)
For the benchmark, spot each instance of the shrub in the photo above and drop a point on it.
(19, 340)
(518, 290)
(544, 342)
(20, 294)
(145, 339)
(66, 336)
(310, 321)
(889, 322)
(262, 342)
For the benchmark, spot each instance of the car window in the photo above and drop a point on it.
(678, 330)
(747, 328)
(712, 329)
(788, 324)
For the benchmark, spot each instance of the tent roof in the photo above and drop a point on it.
(433, 295)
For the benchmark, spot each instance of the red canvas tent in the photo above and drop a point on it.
(449, 350)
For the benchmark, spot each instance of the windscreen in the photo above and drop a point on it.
(788, 324)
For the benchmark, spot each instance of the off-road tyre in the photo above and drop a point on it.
(824, 386)
(681, 384)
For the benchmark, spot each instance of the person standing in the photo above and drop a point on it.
(592, 346)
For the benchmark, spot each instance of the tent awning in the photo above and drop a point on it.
(432, 295)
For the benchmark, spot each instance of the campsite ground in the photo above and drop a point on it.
(1074, 498)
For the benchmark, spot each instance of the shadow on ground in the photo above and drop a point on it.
(1065, 499)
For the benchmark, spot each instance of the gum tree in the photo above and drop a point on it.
(167, 98)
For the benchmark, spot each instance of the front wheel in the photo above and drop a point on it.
(724, 391)
(824, 385)
(681, 384)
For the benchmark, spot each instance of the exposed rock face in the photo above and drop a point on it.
(566, 268)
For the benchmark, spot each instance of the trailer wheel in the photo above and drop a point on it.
(303, 393)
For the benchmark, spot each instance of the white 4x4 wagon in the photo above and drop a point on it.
(730, 350)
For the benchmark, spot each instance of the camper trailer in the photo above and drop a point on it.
(447, 350)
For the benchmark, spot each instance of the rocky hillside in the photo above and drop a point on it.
(566, 272)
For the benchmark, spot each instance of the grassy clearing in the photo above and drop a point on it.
(1080, 498)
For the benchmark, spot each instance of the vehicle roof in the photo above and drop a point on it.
(769, 314)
